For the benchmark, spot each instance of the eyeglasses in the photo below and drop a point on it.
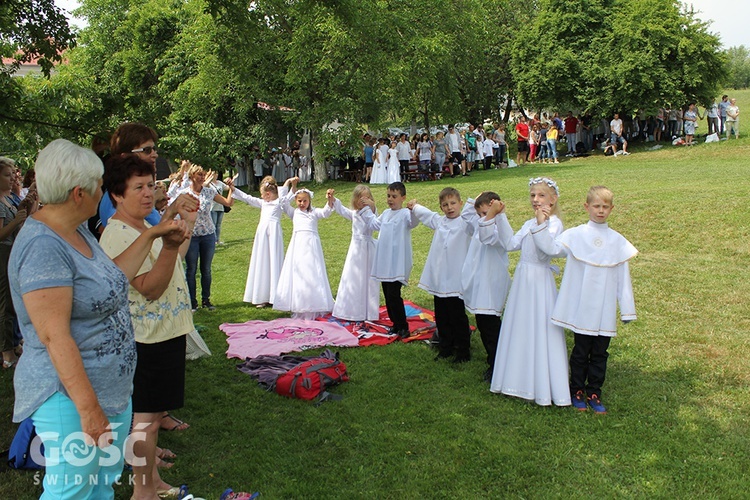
(148, 150)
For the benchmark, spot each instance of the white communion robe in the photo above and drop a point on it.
(358, 296)
(596, 279)
(532, 358)
(441, 275)
(303, 285)
(485, 278)
(267, 255)
(393, 254)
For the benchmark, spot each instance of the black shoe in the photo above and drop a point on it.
(461, 358)
(208, 305)
(443, 355)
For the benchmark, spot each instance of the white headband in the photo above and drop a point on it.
(305, 190)
(545, 180)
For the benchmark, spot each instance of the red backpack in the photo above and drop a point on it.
(310, 379)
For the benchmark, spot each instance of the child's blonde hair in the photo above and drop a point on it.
(269, 185)
(551, 187)
(447, 192)
(601, 192)
(359, 192)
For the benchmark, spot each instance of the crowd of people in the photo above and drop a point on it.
(95, 318)
(455, 150)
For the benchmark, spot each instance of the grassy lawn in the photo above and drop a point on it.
(410, 427)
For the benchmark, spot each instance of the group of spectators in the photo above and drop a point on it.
(104, 324)
(459, 149)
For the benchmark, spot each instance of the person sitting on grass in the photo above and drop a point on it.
(615, 127)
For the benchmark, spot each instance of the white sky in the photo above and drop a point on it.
(731, 18)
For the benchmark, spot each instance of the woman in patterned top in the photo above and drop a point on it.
(203, 243)
(159, 308)
(76, 374)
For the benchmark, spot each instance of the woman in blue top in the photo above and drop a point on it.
(75, 377)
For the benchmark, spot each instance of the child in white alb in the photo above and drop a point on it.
(394, 173)
(597, 278)
(485, 279)
(441, 276)
(489, 147)
(267, 255)
(303, 285)
(358, 296)
(532, 358)
(393, 254)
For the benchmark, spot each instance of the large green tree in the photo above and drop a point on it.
(617, 55)
(30, 30)
(738, 67)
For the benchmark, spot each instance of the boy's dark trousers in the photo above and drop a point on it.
(489, 330)
(487, 162)
(395, 305)
(453, 327)
(588, 363)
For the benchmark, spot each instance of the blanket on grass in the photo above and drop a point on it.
(255, 338)
(280, 336)
(421, 325)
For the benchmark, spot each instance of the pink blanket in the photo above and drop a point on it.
(254, 338)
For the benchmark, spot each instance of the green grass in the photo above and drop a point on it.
(408, 427)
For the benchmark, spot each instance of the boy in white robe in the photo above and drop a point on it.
(596, 279)
(485, 280)
(441, 276)
(393, 255)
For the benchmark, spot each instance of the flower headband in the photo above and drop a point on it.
(545, 180)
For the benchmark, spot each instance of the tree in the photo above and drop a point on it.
(29, 30)
(616, 56)
(33, 29)
(738, 67)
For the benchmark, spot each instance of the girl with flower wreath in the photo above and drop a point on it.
(532, 359)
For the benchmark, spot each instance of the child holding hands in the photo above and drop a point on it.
(597, 278)
(358, 297)
(303, 285)
(531, 361)
(392, 263)
(485, 280)
(441, 276)
(268, 245)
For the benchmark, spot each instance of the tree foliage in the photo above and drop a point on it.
(738, 67)
(33, 29)
(616, 55)
(196, 69)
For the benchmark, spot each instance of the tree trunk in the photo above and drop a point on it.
(508, 108)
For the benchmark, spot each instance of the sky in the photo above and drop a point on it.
(730, 18)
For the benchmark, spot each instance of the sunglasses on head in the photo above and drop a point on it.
(148, 150)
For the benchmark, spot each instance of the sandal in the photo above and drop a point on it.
(179, 425)
(165, 454)
(174, 492)
(8, 364)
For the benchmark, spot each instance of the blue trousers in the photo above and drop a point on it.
(217, 217)
(203, 248)
(73, 469)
